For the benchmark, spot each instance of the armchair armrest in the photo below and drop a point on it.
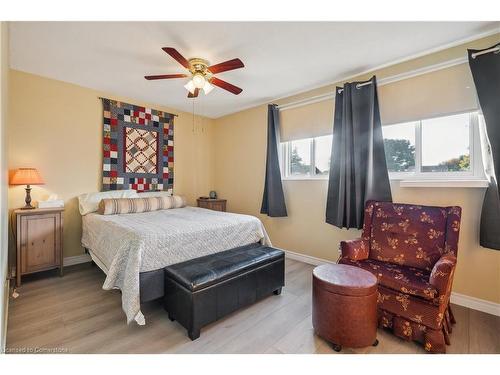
(357, 249)
(441, 276)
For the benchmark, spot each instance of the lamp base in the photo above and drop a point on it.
(27, 200)
(30, 207)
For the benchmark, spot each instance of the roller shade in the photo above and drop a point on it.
(432, 94)
(312, 120)
(441, 92)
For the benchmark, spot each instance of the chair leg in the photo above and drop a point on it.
(447, 321)
(452, 317)
(446, 333)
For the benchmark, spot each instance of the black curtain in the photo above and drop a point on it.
(486, 73)
(358, 170)
(273, 199)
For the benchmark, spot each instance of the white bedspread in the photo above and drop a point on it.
(132, 243)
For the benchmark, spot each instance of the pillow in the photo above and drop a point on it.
(114, 206)
(89, 202)
(147, 194)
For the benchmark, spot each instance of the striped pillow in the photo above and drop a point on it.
(115, 206)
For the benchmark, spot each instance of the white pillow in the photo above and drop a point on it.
(161, 193)
(89, 202)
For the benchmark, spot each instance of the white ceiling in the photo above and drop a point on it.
(281, 58)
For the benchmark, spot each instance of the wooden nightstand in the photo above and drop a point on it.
(213, 204)
(39, 234)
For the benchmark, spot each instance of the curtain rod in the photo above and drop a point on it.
(489, 50)
(381, 82)
(358, 85)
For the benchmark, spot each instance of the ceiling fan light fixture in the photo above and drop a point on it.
(208, 87)
(201, 73)
(199, 80)
(190, 86)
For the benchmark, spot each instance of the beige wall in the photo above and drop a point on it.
(240, 151)
(57, 128)
(4, 292)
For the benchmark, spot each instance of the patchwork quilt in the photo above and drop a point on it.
(138, 148)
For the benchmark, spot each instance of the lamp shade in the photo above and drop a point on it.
(26, 176)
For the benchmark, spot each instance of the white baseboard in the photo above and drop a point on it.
(475, 303)
(71, 261)
(306, 258)
(456, 298)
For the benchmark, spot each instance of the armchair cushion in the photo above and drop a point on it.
(408, 235)
(442, 274)
(355, 249)
(408, 280)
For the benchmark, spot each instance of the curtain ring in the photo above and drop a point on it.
(358, 86)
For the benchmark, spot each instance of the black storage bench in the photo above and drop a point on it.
(203, 290)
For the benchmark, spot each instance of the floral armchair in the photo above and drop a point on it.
(412, 250)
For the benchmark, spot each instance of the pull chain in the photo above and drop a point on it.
(202, 107)
(193, 115)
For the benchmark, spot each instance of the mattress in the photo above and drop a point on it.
(129, 244)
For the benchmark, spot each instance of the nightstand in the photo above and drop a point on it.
(39, 235)
(213, 204)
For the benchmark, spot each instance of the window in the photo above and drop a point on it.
(446, 144)
(399, 144)
(441, 147)
(446, 147)
(307, 158)
(322, 153)
(300, 157)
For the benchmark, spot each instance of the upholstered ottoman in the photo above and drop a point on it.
(345, 305)
(202, 290)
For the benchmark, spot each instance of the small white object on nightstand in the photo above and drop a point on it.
(51, 202)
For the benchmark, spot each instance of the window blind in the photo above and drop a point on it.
(433, 94)
(312, 120)
(442, 92)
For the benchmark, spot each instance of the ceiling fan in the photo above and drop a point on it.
(201, 73)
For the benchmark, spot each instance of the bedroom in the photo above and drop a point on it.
(188, 215)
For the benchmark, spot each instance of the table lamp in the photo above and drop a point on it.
(26, 176)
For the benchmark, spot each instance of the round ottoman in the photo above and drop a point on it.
(345, 305)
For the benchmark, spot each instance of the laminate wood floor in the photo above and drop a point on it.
(73, 314)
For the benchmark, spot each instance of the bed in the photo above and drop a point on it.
(133, 249)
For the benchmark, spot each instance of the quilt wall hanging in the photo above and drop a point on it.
(138, 148)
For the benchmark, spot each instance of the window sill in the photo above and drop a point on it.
(444, 183)
(305, 178)
(409, 183)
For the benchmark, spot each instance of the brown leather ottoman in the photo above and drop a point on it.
(345, 305)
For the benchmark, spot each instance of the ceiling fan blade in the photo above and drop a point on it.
(225, 85)
(166, 76)
(195, 94)
(177, 56)
(226, 65)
